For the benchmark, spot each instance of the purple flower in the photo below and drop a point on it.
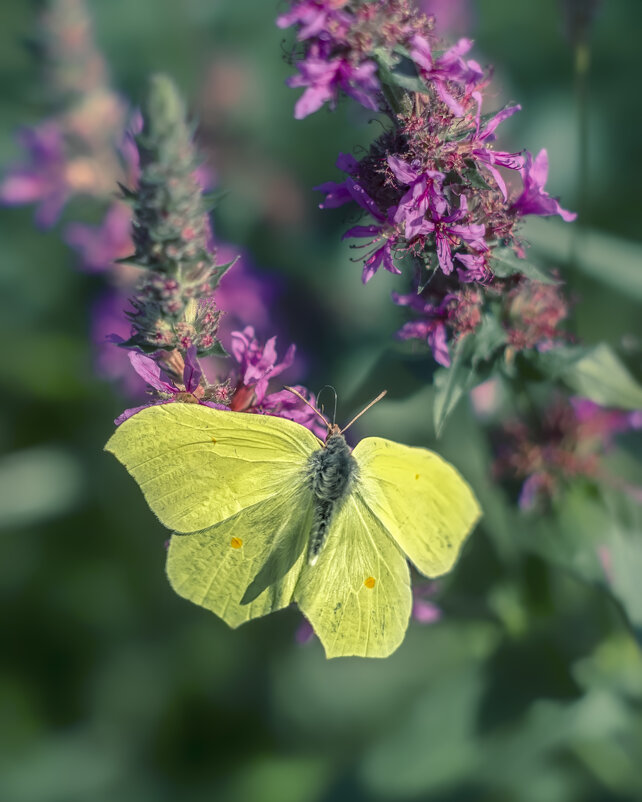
(450, 68)
(316, 17)
(339, 193)
(538, 485)
(304, 633)
(603, 422)
(42, 179)
(150, 371)
(447, 234)
(108, 326)
(285, 404)
(425, 190)
(258, 364)
(432, 328)
(481, 151)
(423, 610)
(323, 79)
(100, 246)
(476, 269)
(385, 232)
(534, 200)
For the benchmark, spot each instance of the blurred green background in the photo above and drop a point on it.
(113, 688)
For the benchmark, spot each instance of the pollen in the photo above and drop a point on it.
(370, 582)
(236, 542)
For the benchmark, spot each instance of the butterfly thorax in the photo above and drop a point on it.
(331, 472)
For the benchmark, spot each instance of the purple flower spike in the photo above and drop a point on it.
(534, 200)
(323, 79)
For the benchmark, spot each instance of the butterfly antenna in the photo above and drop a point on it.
(329, 387)
(305, 401)
(365, 409)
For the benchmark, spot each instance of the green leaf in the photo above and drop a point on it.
(623, 553)
(488, 338)
(505, 263)
(613, 261)
(400, 71)
(216, 349)
(553, 364)
(474, 176)
(451, 383)
(603, 378)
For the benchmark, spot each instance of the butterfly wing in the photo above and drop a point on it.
(357, 595)
(261, 548)
(419, 498)
(197, 466)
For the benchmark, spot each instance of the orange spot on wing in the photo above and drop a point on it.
(370, 582)
(214, 440)
(416, 476)
(236, 542)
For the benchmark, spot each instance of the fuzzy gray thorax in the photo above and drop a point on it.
(331, 472)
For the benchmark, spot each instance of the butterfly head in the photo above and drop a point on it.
(333, 429)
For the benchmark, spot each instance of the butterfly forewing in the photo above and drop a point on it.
(419, 498)
(198, 466)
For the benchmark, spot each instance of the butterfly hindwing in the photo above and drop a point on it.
(419, 498)
(357, 595)
(198, 466)
(216, 567)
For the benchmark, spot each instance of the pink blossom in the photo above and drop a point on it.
(258, 364)
(534, 200)
(431, 328)
(482, 152)
(41, 180)
(448, 70)
(323, 79)
(151, 372)
(425, 190)
(316, 17)
(448, 233)
(100, 246)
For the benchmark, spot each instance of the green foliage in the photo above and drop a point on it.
(601, 376)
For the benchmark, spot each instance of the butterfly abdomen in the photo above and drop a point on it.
(331, 471)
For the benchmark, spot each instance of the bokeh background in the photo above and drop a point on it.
(529, 688)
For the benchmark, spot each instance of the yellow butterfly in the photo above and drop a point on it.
(264, 514)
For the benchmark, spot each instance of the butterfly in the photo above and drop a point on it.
(264, 513)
